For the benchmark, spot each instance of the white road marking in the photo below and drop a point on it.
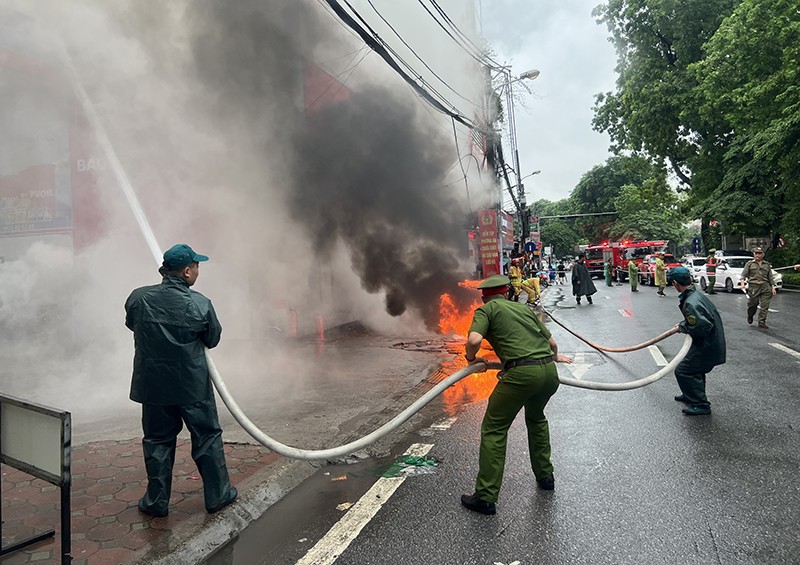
(579, 366)
(657, 355)
(343, 532)
(443, 424)
(625, 313)
(786, 349)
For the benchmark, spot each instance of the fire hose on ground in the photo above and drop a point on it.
(397, 421)
(352, 447)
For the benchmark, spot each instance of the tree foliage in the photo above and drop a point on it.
(749, 84)
(656, 41)
(712, 87)
(599, 189)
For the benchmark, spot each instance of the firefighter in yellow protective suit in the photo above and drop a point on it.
(533, 287)
(515, 276)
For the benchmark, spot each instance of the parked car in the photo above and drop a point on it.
(647, 272)
(725, 253)
(696, 265)
(729, 274)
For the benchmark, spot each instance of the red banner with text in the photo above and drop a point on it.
(490, 243)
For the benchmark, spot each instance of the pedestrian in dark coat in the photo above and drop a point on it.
(582, 284)
(703, 323)
(172, 325)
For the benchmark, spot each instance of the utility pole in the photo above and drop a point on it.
(521, 200)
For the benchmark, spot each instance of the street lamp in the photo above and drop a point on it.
(522, 204)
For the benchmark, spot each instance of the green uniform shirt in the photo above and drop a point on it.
(512, 329)
(758, 274)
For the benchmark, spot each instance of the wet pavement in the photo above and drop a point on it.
(108, 480)
(362, 381)
(342, 389)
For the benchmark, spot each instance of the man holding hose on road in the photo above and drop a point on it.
(528, 379)
(703, 323)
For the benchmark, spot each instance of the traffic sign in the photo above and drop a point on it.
(530, 246)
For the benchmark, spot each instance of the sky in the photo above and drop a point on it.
(554, 130)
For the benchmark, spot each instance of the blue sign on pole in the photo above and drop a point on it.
(696, 245)
(530, 246)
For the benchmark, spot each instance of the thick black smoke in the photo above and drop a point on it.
(368, 171)
(373, 177)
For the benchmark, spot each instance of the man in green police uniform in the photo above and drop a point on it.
(703, 323)
(761, 287)
(528, 380)
(172, 325)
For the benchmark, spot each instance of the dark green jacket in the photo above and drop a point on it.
(701, 321)
(171, 323)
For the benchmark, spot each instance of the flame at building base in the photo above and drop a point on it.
(455, 317)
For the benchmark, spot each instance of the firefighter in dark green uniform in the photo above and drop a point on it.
(703, 323)
(760, 289)
(172, 325)
(528, 380)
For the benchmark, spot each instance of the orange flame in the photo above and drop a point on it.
(452, 320)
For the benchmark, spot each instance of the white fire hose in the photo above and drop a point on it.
(219, 384)
(394, 423)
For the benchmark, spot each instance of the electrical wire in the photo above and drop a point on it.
(407, 65)
(351, 70)
(464, 36)
(477, 57)
(463, 172)
(381, 50)
(420, 59)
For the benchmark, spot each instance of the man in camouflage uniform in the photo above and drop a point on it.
(761, 287)
(703, 323)
(528, 380)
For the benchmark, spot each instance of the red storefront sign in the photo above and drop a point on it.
(490, 243)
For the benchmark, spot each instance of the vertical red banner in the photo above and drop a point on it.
(490, 243)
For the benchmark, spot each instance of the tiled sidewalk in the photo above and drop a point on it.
(108, 478)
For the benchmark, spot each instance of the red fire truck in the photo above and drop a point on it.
(620, 252)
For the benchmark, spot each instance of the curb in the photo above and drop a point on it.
(201, 536)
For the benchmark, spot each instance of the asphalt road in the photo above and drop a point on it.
(636, 480)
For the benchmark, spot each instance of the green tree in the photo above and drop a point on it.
(653, 110)
(749, 85)
(561, 236)
(656, 41)
(599, 188)
(650, 211)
